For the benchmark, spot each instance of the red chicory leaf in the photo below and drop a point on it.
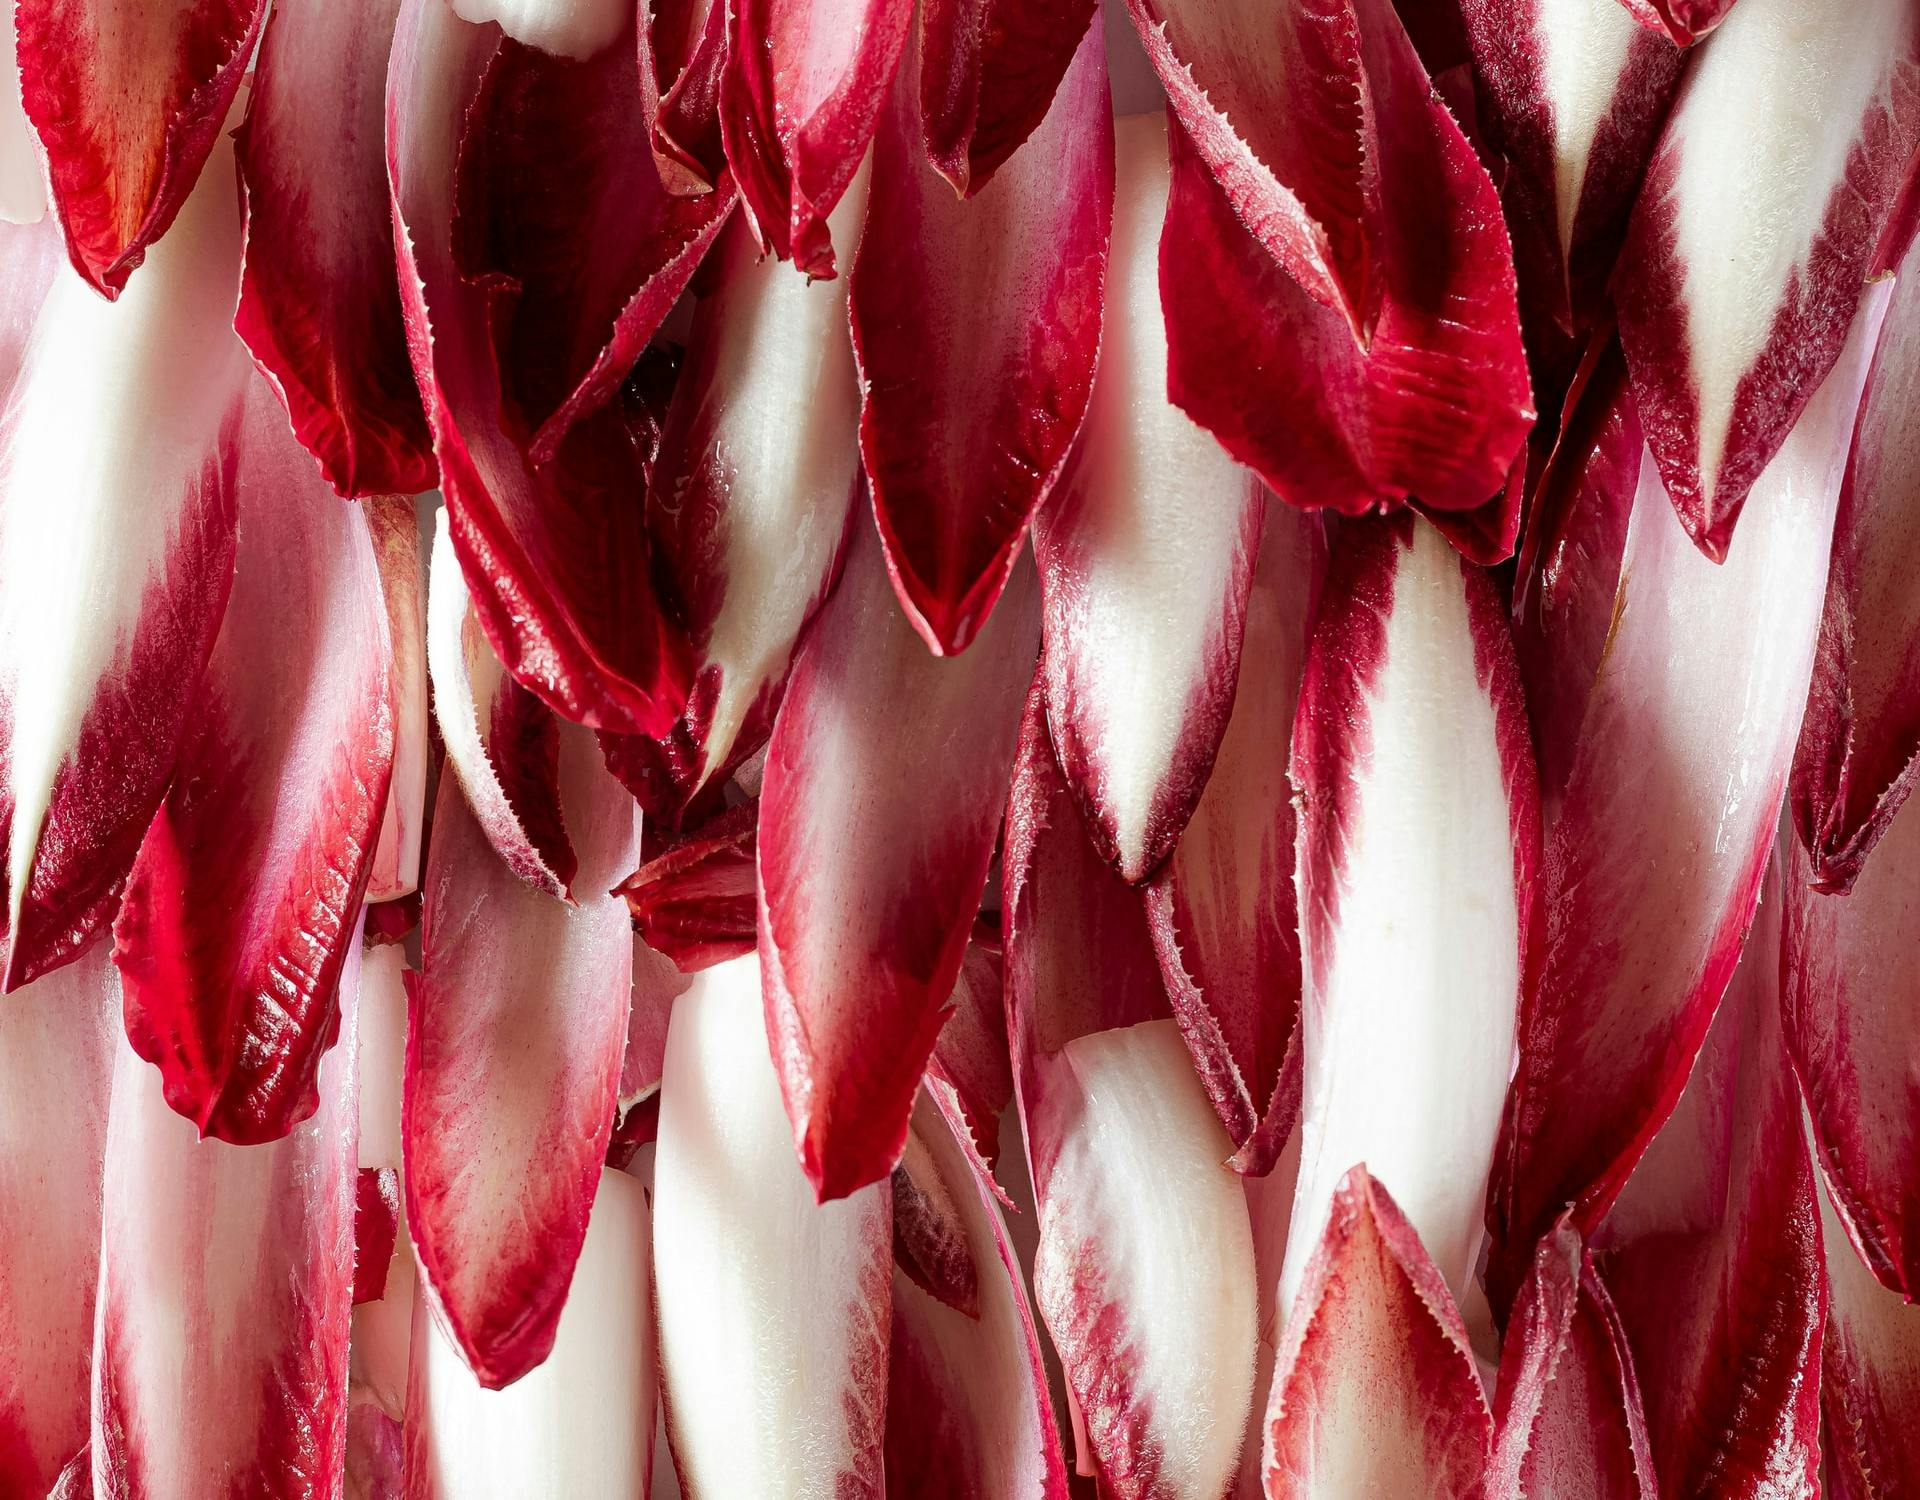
(319, 300)
(768, 1302)
(976, 323)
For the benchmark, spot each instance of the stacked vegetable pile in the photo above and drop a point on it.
(981, 749)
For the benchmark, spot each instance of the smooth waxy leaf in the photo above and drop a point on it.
(319, 301)
(888, 766)
(768, 1302)
(515, 1035)
(976, 324)
(1412, 762)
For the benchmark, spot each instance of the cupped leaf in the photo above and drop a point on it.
(968, 1413)
(503, 746)
(750, 497)
(1567, 1406)
(516, 1029)
(1146, 561)
(988, 71)
(800, 96)
(319, 300)
(695, 902)
(128, 98)
(1683, 22)
(1761, 214)
(522, 321)
(1376, 1392)
(1869, 1376)
(1578, 95)
(888, 767)
(402, 560)
(976, 324)
(683, 58)
(1339, 288)
(1222, 909)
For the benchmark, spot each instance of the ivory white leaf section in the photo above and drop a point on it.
(581, 1423)
(1764, 129)
(570, 28)
(1146, 1259)
(1584, 48)
(773, 1309)
(1411, 936)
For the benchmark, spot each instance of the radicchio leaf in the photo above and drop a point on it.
(1146, 561)
(226, 1289)
(582, 1424)
(110, 600)
(1410, 754)
(515, 1036)
(1145, 1247)
(768, 1302)
(1680, 766)
(1859, 752)
(128, 98)
(560, 291)
(888, 766)
(58, 1037)
(1340, 296)
(1762, 210)
(1713, 1257)
(976, 324)
(245, 897)
(319, 300)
